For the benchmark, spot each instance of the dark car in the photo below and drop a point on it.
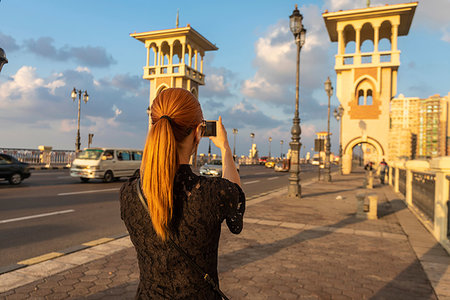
(13, 170)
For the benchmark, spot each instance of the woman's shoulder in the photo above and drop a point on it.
(129, 187)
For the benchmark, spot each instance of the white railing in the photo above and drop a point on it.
(38, 157)
(427, 193)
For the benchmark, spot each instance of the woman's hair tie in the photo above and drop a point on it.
(166, 117)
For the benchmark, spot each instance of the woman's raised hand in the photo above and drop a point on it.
(221, 139)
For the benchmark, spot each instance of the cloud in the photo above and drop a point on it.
(275, 62)
(8, 43)
(38, 110)
(87, 55)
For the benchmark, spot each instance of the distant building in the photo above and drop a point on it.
(419, 128)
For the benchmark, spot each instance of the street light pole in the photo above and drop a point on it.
(252, 136)
(281, 149)
(85, 99)
(338, 112)
(3, 59)
(294, 189)
(270, 143)
(235, 131)
(329, 90)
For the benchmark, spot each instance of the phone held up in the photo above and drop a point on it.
(210, 128)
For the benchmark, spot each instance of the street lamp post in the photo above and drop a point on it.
(270, 143)
(281, 149)
(338, 112)
(235, 131)
(252, 136)
(294, 189)
(329, 90)
(3, 59)
(85, 99)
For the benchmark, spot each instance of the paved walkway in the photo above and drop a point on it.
(313, 248)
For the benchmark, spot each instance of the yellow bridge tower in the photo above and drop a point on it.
(174, 59)
(367, 78)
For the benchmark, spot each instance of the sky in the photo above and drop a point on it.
(54, 46)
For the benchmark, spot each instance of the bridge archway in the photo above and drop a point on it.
(347, 158)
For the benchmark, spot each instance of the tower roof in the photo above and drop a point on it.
(187, 31)
(405, 10)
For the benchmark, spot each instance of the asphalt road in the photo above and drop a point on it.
(52, 211)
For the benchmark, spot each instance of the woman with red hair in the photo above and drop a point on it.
(173, 216)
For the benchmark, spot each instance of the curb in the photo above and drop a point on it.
(48, 256)
(48, 167)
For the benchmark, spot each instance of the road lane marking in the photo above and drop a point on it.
(88, 192)
(250, 182)
(37, 216)
(260, 173)
(61, 177)
(272, 178)
(40, 258)
(45, 174)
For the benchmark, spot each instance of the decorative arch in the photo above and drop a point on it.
(367, 36)
(194, 92)
(349, 36)
(161, 88)
(365, 102)
(369, 140)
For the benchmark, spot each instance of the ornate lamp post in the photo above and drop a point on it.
(281, 149)
(270, 143)
(3, 59)
(294, 189)
(329, 90)
(338, 112)
(252, 136)
(235, 131)
(85, 99)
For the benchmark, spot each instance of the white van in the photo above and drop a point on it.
(106, 163)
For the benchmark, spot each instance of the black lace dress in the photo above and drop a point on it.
(200, 206)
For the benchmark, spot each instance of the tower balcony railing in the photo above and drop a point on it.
(367, 59)
(177, 70)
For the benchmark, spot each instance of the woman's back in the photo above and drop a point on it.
(200, 206)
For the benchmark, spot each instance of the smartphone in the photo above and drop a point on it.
(210, 128)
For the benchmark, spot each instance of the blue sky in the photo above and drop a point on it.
(53, 46)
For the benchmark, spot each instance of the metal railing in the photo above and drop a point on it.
(402, 181)
(37, 157)
(423, 192)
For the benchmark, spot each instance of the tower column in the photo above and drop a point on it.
(394, 37)
(190, 55)
(183, 52)
(341, 42)
(171, 55)
(376, 38)
(148, 56)
(196, 59)
(201, 62)
(357, 57)
(156, 56)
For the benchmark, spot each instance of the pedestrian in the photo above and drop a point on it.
(384, 168)
(177, 236)
(368, 166)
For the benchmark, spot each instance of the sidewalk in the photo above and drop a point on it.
(313, 248)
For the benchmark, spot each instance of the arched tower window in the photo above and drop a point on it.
(367, 38)
(361, 97)
(369, 100)
(177, 52)
(349, 39)
(364, 93)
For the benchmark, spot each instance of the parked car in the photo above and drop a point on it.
(106, 163)
(270, 164)
(214, 168)
(13, 170)
(281, 167)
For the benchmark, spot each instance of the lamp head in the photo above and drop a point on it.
(85, 97)
(295, 21)
(73, 94)
(3, 59)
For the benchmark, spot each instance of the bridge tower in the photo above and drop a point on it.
(174, 59)
(367, 75)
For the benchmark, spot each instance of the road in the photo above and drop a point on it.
(52, 211)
